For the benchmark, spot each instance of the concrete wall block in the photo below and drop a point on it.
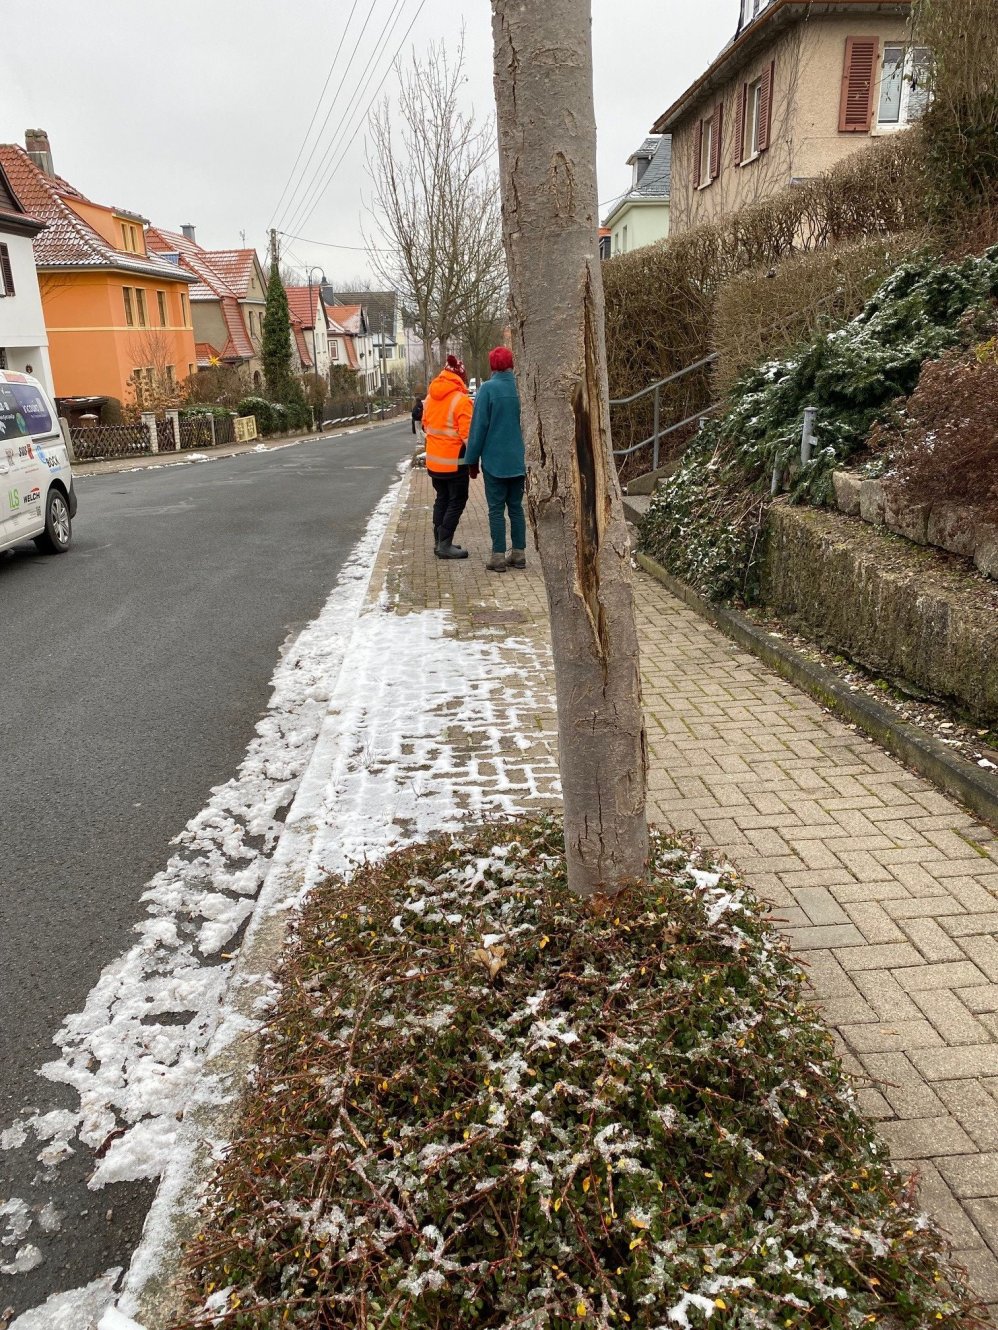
(908, 520)
(871, 501)
(846, 485)
(952, 528)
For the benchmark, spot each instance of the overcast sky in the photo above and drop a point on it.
(196, 111)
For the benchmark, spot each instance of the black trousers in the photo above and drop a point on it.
(450, 503)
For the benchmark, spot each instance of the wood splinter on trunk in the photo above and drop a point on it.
(547, 145)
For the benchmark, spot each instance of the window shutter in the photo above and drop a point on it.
(856, 111)
(715, 143)
(766, 106)
(697, 153)
(742, 103)
(6, 272)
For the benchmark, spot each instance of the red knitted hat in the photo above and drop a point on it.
(457, 366)
(500, 359)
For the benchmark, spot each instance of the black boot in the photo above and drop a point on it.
(447, 550)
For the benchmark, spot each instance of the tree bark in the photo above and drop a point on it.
(547, 148)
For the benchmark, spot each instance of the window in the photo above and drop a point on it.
(753, 104)
(185, 316)
(625, 240)
(23, 412)
(754, 114)
(141, 313)
(161, 301)
(334, 350)
(129, 306)
(904, 86)
(130, 238)
(707, 149)
(171, 378)
(6, 273)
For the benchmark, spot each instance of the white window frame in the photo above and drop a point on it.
(623, 233)
(706, 152)
(753, 122)
(910, 54)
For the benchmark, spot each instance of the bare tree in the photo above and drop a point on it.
(425, 179)
(547, 148)
(485, 298)
(154, 381)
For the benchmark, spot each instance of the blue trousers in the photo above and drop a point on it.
(505, 493)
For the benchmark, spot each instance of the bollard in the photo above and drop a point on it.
(807, 437)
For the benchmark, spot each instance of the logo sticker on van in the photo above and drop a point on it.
(14, 500)
(32, 496)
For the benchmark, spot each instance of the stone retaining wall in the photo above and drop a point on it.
(898, 609)
(949, 526)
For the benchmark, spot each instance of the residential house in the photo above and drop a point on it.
(308, 312)
(228, 299)
(641, 216)
(800, 86)
(605, 242)
(392, 341)
(24, 344)
(351, 343)
(117, 315)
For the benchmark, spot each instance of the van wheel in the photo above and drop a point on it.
(58, 524)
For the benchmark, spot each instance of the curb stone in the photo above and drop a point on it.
(152, 1290)
(976, 790)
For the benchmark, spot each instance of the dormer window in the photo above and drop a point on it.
(751, 9)
(130, 238)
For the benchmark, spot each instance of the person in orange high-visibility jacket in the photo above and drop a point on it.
(447, 415)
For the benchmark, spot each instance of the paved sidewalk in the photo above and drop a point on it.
(889, 892)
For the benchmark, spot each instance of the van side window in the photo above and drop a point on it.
(23, 412)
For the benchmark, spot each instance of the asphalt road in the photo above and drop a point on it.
(133, 670)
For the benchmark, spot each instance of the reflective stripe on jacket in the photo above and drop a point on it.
(447, 423)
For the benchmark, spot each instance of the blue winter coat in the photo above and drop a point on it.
(496, 440)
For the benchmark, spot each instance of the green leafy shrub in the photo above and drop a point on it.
(262, 409)
(484, 1102)
(702, 522)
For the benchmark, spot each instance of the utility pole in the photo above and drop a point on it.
(384, 384)
(274, 254)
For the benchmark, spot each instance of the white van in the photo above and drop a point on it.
(37, 499)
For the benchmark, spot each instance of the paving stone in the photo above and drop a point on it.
(953, 1064)
(923, 907)
(983, 951)
(926, 1138)
(843, 1011)
(900, 1036)
(820, 906)
(984, 998)
(957, 975)
(905, 1090)
(973, 1176)
(874, 922)
(950, 1017)
(885, 995)
(969, 925)
(840, 936)
(982, 1267)
(974, 1109)
(887, 956)
(932, 942)
(935, 1194)
(984, 1213)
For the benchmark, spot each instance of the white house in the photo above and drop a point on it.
(306, 304)
(641, 216)
(24, 343)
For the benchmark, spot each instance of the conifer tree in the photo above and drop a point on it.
(276, 352)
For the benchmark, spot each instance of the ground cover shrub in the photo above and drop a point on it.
(702, 523)
(262, 409)
(483, 1102)
(943, 442)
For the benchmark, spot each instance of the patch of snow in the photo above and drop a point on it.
(77, 1309)
(677, 1315)
(28, 1258)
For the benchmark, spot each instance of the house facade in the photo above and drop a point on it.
(308, 311)
(391, 341)
(641, 216)
(799, 87)
(228, 299)
(117, 315)
(24, 343)
(351, 343)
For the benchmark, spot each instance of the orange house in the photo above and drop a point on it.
(118, 317)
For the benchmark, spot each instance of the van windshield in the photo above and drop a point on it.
(23, 411)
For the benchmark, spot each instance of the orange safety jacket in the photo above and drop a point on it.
(447, 415)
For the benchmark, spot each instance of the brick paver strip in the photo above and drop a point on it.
(888, 888)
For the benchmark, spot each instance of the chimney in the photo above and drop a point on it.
(188, 232)
(36, 144)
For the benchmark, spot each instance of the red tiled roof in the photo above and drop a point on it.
(68, 241)
(208, 355)
(211, 285)
(349, 317)
(239, 346)
(235, 267)
(351, 349)
(301, 342)
(302, 302)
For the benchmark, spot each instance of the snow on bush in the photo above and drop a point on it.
(483, 1102)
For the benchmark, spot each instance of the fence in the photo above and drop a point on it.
(196, 432)
(356, 410)
(94, 443)
(693, 403)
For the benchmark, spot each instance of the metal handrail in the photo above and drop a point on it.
(658, 434)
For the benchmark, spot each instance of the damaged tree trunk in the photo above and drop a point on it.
(547, 148)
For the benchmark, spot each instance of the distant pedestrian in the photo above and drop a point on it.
(446, 422)
(417, 413)
(496, 440)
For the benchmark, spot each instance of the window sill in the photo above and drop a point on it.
(878, 130)
(706, 185)
(747, 161)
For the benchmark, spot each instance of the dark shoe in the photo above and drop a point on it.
(517, 559)
(445, 550)
(496, 563)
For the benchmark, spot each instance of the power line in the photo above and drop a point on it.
(363, 119)
(328, 244)
(291, 207)
(315, 191)
(315, 111)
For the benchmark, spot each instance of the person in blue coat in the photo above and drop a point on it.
(496, 443)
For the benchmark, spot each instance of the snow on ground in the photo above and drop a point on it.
(76, 1310)
(133, 1052)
